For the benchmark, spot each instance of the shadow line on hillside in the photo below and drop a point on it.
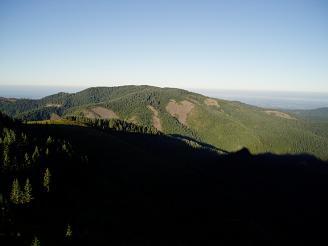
(199, 142)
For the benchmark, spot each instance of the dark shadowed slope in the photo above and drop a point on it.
(123, 187)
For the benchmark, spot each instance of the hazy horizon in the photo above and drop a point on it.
(268, 99)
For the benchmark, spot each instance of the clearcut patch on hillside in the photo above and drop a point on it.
(53, 105)
(100, 113)
(211, 102)
(279, 114)
(133, 119)
(180, 110)
(156, 120)
(55, 117)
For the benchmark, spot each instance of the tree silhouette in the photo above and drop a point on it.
(27, 195)
(46, 180)
(9, 136)
(6, 156)
(15, 194)
(27, 159)
(24, 137)
(35, 242)
(65, 148)
(47, 152)
(36, 154)
(49, 140)
(69, 232)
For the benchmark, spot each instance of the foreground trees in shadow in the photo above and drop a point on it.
(89, 185)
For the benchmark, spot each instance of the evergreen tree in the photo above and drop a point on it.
(9, 136)
(27, 195)
(24, 137)
(15, 194)
(49, 140)
(64, 147)
(46, 180)
(6, 156)
(69, 232)
(35, 242)
(36, 154)
(27, 159)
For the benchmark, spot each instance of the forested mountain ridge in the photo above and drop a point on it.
(316, 115)
(225, 124)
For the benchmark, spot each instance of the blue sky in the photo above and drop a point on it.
(232, 44)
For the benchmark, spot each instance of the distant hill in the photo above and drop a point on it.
(228, 125)
(314, 115)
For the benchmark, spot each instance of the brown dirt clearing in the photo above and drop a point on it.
(211, 102)
(100, 113)
(49, 105)
(180, 110)
(55, 117)
(279, 114)
(156, 120)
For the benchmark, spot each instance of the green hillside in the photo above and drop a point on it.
(314, 115)
(227, 125)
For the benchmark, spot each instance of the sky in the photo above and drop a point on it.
(279, 45)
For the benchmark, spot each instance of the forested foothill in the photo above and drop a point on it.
(227, 125)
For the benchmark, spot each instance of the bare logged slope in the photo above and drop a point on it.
(156, 120)
(180, 110)
(100, 112)
(211, 102)
(279, 114)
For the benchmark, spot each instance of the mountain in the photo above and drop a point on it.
(108, 182)
(227, 125)
(314, 115)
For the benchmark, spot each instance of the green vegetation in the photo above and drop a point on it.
(35, 242)
(229, 126)
(15, 194)
(46, 180)
(69, 232)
